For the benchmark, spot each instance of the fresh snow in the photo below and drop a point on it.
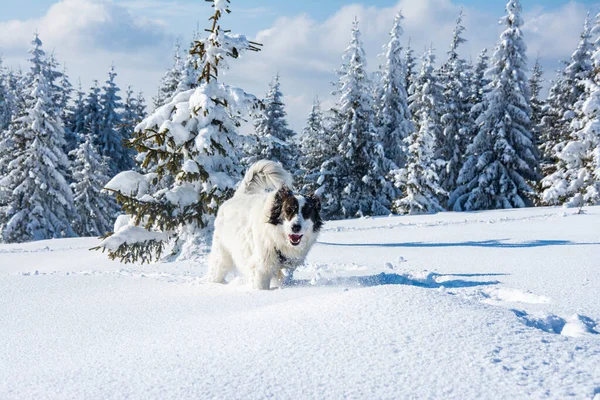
(498, 304)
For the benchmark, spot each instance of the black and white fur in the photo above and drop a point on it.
(264, 230)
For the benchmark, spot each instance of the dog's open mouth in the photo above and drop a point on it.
(295, 239)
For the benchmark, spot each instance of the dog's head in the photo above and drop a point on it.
(299, 215)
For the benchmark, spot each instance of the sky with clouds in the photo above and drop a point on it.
(303, 40)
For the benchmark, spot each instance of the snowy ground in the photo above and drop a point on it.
(499, 304)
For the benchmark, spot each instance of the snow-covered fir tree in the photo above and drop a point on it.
(40, 203)
(171, 80)
(565, 92)
(111, 139)
(419, 181)
(92, 113)
(140, 107)
(393, 118)
(129, 115)
(479, 86)
(575, 181)
(190, 69)
(76, 122)
(410, 63)
(96, 210)
(354, 181)
(274, 140)
(5, 99)
(313, 148)
(536, 81)
(191, 141)
(501, 161)
(456, 119)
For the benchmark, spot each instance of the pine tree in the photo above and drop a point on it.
(354, 182)
(191, 142)
(93, 116)
(190, 70)
(96, 210)
(479, 87)
(410, 63)
(76, 122)
(537, 104)
(456, 121)
(501, 160)
(170, 81)
(575, 181)
(140, 107)
(40, 203)
(419, 181)
(5, 99)
(566, 91)
(112, 137)
(393, 118)
(313, 147)
(273, 138)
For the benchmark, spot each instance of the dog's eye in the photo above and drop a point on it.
(306, 212)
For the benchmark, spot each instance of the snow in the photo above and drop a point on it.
(495, 304)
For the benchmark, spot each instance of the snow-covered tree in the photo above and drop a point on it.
(501, 161)
(313, 148)
(190, 69)
(456, 119)
(92, 113)
(140, 107)
(40, 203)
(410, 63)
(479, 86)
(5, 99)
(393, 118)
(575, 181)
(419, 181)
(565, 92)
(273, 137)
(191, 141)
(76, 122)
(353, 182)
(171, 80)
(111, 139)
(537, 104)
(96, 210)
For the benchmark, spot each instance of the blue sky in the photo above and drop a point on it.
(303, 39)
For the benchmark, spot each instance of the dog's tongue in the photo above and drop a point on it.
(295, 238)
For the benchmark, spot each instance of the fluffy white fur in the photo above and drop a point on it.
(245, 240)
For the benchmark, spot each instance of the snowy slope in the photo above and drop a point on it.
(500, 304)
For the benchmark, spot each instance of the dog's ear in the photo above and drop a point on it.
(316, 199)
(316, 215)
(276, 207)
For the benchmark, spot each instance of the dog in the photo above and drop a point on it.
(264, 231)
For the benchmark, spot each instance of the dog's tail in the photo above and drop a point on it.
(264, 176)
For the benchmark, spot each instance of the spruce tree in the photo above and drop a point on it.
(5, 100)
(565, 92)
(501, 161)
(273, 138)
(354, 181)
(96, 210)
(537, 104)
(575, 181)
(93, 116)
(479, 87)
(112, 137)
(313, 148)
(191, 141)
(419, 181)
(456, 119)
(171, 80)
(393, 118)
(40, 203)
(76, 122)
(410, 63)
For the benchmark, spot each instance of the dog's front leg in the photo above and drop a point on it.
(262, 279)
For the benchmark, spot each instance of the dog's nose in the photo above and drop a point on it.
(296, 228)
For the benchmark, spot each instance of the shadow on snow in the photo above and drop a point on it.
(381, 279)
(501, 243)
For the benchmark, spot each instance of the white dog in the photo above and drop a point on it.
(264, 229)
